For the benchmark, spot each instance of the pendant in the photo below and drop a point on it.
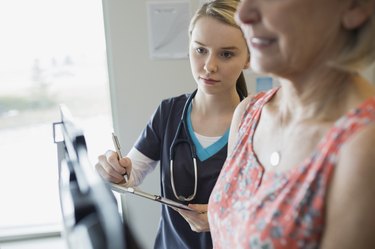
(275, 158)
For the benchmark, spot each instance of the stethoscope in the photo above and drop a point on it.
(183, 126)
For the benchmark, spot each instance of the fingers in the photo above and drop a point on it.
(111, 159)
(198, 221)
(109, 176)
(111, 169)
(201, 208)
(126, 163)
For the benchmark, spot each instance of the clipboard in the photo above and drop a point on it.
(124, 190)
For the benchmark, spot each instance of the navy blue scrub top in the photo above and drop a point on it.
(155, 142)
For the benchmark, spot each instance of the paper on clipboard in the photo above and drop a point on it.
(123, 190)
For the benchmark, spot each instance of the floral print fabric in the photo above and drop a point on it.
(252, 208)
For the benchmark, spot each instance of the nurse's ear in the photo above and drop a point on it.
(247, 65)
(357, 13)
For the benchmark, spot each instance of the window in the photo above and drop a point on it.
(52, 52)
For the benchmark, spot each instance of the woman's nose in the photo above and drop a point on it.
(247, 13)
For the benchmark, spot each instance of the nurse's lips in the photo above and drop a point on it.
(209, 81)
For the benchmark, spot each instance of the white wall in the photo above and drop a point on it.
(137, 86)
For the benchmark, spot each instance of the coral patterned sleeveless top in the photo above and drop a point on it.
(251, 208)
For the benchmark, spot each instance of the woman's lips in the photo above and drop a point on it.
(209, 81)
(260, 42)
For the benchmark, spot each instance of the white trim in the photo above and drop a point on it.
(30, 232)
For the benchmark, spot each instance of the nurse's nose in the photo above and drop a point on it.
(211, 65)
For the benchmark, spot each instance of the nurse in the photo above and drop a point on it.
(194, 123)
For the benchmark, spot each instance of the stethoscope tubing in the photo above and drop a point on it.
(176, 141)
(182, 125)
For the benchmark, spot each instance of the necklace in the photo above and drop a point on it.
(275, 158)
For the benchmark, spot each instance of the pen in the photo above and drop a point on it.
(118, 151)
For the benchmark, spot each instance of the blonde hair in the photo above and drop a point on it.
(359, 51)
(223, 11)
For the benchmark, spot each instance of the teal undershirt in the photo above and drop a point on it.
(205, 153)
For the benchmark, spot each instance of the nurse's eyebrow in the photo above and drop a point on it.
(226, 48)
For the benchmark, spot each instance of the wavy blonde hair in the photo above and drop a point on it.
(359, 51)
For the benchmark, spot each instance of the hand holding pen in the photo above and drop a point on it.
(118, 151)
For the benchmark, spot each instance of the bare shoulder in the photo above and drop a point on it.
(357, 156)
(242, 107)
(350, 200)
(361, 142)
(236, 121)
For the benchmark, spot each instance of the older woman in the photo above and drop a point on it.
(300, 171)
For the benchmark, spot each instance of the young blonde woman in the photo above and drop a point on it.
(190, 124)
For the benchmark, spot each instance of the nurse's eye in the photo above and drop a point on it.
(227, 54)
